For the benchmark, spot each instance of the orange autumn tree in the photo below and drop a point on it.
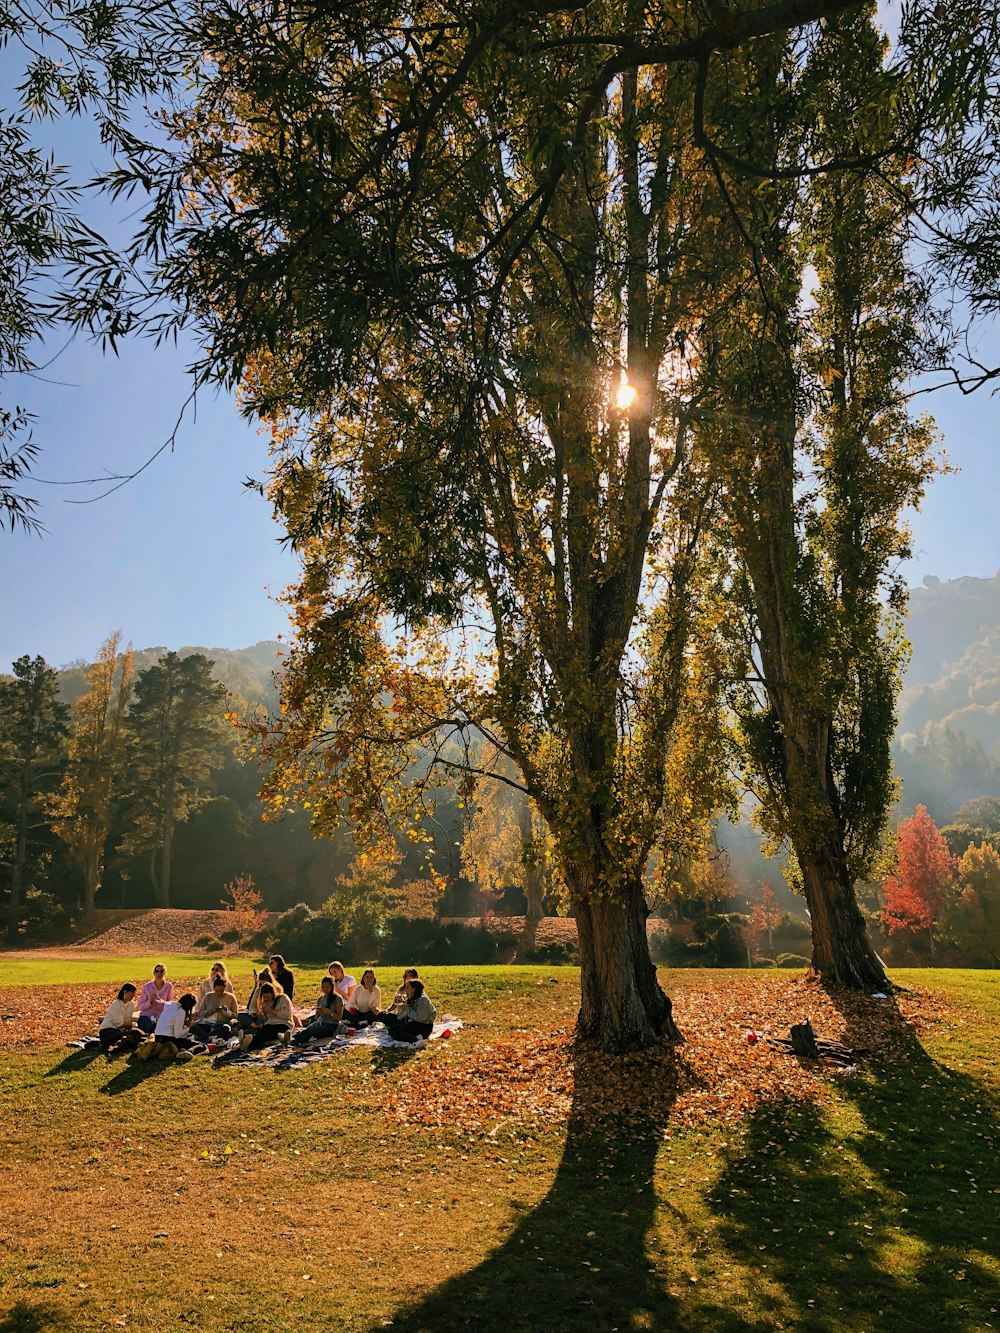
(85, 805)
(244, 908)
(914, 895)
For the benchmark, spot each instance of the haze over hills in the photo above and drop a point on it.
(948, 738)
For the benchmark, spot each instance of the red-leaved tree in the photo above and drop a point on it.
(244, 908)
(914, 895)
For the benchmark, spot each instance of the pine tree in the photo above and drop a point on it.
(32, 735)
(176, 727)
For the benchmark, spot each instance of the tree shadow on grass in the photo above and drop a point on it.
(132, 1074)
(75, 1061)
(889, 1219)
(578, 1259)
(386, 1059)
(26, 1318)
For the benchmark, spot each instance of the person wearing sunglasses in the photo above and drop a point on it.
(153, 996)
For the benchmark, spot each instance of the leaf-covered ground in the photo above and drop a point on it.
(506, 1179)
(721, 1073)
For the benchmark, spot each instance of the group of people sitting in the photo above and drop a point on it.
(213, 1016)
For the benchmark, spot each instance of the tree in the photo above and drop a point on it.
(504, 479)
(85, 805)
(32, 734)
(176, 728)
(819, 459)
(765, 913)
(85, 59)
(974, 912)
(244, 908)
(469, 266)
(914, 896)
(505, 844)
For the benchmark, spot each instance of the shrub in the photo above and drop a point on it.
(726, 945)
(764, 962)
(303, 933)
(668, 949)
(792, 960)
(203, 941)
(555, 952)
(230, 936)
(214, 946)
(792, 927)
(43, 915)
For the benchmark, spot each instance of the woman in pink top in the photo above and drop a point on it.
(153, 996)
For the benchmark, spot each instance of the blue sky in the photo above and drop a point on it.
(185, 555)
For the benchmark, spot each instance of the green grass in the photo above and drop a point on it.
(872, 1209)
(29, 969)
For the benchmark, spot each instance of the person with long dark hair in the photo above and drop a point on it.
(325, 1021)
(416, 1020)
(117, 1023)
(281, 974)
(245, 1018)
(366, 1002)
(275, 1017)
(174, 1023)
(215, 1015)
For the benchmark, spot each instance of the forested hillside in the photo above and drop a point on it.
(948, 740)
(947, 752)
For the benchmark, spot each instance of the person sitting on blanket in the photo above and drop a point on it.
(174, 1022)
(400, 1000)
(366, 1002)
(153, 996)
(208, 985)
(281, 974)
(117, 1022)
(323, 1024)
(274, 1018)
(417, 1019)
(215, 1015)
(246, 1016)
(344, 983)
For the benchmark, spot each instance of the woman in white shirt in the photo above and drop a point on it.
(117, 1022)
(175, 1022)
(343, 983)
(366, 1002)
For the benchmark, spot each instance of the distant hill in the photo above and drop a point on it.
(954, 677)
(248, 672)
(948, 738)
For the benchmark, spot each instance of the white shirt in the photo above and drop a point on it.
(343, 986)
(173, 1021)
(121, 1014)
(366, 1000)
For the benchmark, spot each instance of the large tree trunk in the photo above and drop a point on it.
(534, 893)
(166, 849)
(91, 876)
(622, 1007)
(842, 952)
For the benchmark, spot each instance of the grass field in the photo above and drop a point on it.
(868, 1205)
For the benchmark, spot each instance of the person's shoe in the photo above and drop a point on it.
(245, 1039)
(285, 1039)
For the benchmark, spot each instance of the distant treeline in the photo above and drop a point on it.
(84, 783)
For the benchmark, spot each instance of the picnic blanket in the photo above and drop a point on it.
(292, 1057)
